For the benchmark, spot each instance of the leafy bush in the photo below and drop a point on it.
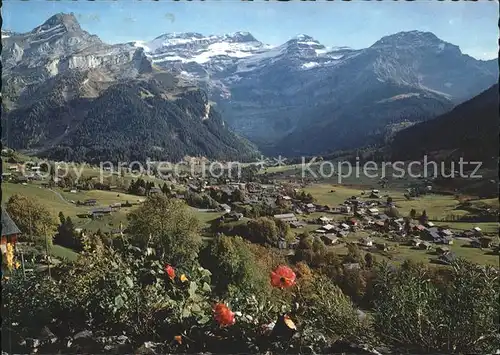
(413, 310)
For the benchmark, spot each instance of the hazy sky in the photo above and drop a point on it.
(471, 25)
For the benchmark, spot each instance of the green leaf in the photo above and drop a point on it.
(119, 302)
(195, 308)
(206, 287)
(186, 313)
(203, 320)
(129, 282)
(192, 288)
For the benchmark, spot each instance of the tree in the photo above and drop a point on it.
(234, 267)
(413, 213)
(238, 195)
(423, 218)
(389, 200)
(392, 212)
(353, 255)
(169, 225)
(284, 230)
(263, 230)
(369, 260)
(66, 234)
(34, 220)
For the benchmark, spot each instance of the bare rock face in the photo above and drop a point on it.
(60, 44)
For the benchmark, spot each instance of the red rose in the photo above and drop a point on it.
(283, 277)
(223, 315)
(170, 271)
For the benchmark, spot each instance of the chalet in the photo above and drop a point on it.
(344, 226)
(382, 216)
(324, 220)
(373, 211)
(224, 208)
(343, 234)
(446, 233)
(345, 209)
(414, 242)
(310, 207)
(366, 241)
(10, 231)
(298, 211)
(298, 224)
(100, 211)
(286, 217)
(329, 239)
(328, 227)
(432, 234)
(90, 202)
(476, 229)
(445, 240)
(429, 224)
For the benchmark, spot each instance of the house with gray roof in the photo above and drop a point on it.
(10, 231)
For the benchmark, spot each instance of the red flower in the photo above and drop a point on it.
(170, 271)
(223, 315)
(283, 277)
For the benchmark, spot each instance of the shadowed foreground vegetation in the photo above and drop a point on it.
(156, 288)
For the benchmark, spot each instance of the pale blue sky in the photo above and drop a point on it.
(471, 25)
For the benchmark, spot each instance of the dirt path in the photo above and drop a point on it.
(61, 196)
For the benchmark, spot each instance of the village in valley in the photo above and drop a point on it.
(393, 222)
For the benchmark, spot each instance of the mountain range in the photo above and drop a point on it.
(296, 98)
(69, 96)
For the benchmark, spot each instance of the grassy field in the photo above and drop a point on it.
(60, 252)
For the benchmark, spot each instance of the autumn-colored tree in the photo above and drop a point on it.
(34, 220)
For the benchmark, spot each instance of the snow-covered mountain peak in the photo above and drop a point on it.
(241, 37)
